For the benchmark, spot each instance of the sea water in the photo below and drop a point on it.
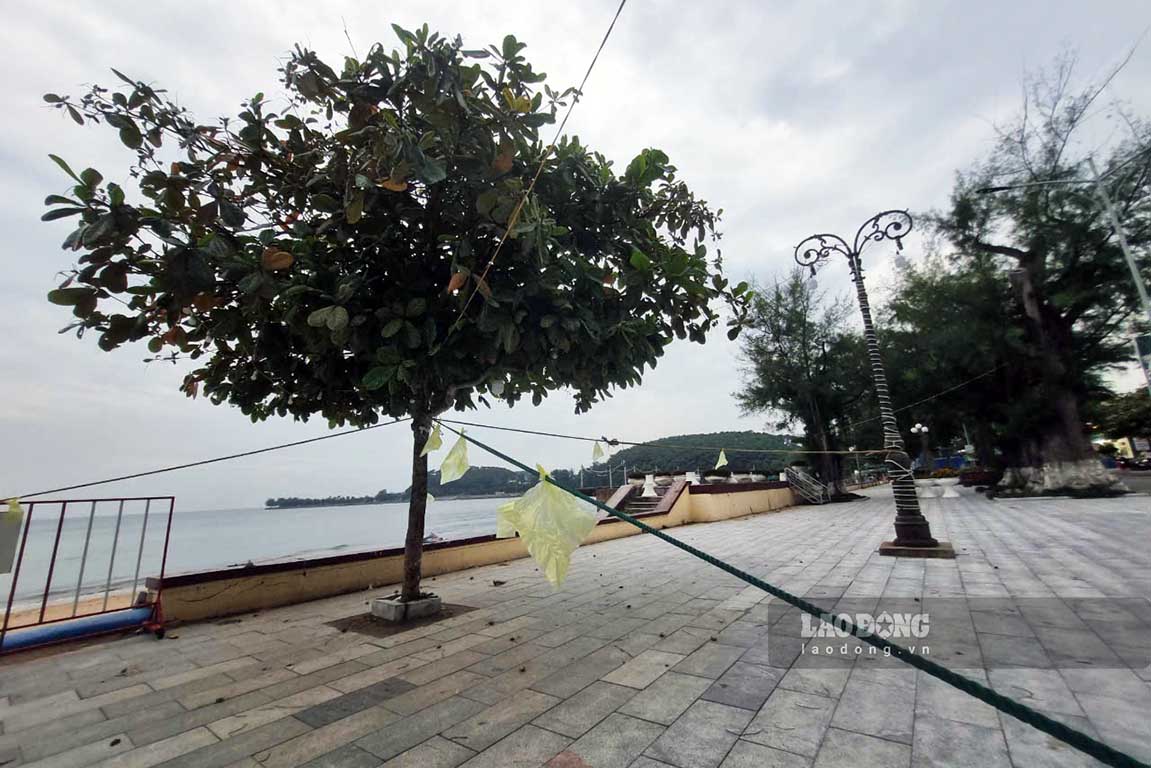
(210, 539)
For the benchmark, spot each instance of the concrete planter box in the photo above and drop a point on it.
(925, 488)
(391, 609)
(947, 484)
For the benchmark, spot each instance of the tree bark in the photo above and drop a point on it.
(1059, 455)
(417, 507)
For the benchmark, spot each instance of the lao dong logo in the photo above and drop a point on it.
(889, 626)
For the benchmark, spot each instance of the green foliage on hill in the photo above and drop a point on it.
(699, 452)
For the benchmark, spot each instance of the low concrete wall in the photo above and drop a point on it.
(210, 594)
(708, 506)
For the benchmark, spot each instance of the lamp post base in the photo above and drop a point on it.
(941, 549)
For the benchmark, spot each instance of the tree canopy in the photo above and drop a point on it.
(315, 255)
(390, 237)
(804, 366)
(1053, 242)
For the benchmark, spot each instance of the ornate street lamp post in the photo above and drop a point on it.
(912, 532)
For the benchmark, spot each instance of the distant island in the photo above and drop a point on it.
(667, 454)
(478, 482)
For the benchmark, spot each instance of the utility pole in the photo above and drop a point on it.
(1121, 236)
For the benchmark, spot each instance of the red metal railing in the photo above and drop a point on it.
(87, 598)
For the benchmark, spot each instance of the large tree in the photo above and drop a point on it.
(1064, 263)
(953, 346)
(803, 365)
(323, 253)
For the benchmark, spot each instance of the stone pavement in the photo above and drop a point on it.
(646, 658)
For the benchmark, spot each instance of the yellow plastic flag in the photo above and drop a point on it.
(596, 451)
(10, 522)
(435, 441)
(456, 462)
(552, 524)
(722, 460)
(431, 498)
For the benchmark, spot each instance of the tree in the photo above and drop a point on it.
(328, 255)
(1126, 415)
(1064, 263)
(956, 324)
(802, 363)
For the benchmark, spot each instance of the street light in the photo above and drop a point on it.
(912, 532)
(921, 430)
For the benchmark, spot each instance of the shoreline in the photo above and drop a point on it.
(460, 497)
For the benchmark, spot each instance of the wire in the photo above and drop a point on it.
(937, 394)
(650, 444)
(209, 461)
(539, 169)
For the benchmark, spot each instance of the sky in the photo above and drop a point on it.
(794, 117)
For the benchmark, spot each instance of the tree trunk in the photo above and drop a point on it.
(1059, 455)
(417, 506)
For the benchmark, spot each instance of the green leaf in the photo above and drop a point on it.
(355, 209)
(91, 178)
(392, 328)
(64, 166)
(639, 260)
(69, 297)
(416, 307)
(60, 213)
(319, 318)
(131, 137)
(59, 200)
(326, 202)
(115, 194)
(337, 319)
(411, 335)
(378, 377)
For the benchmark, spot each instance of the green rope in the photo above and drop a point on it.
(1035, 719)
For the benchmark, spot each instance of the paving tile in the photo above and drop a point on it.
(744, 685)
(347, 756)
(436, 752)
(485, 728)
(876, 710)
(311, 744)
(1043, 689)
(86, 755)
(667, 698)
(817, 682)
(528, 746)
(581, 712)
(702, 736)
(340, 707)
(791, 721)
(426, 695)
(945, 743)
(685, 640)
(407, 732)
(161, 751)
(938, 699)
(437, 669)
(274, 710)
(747, 754)
(711, 660)
(1033, 748)
(228, 751)
(614, 743)
(844, 749)
(149, 732)
(642, 670)
(568, 680)
(377, 674)
(19, 717)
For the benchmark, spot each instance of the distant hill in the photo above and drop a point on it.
(699, 452)
(677, 452)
